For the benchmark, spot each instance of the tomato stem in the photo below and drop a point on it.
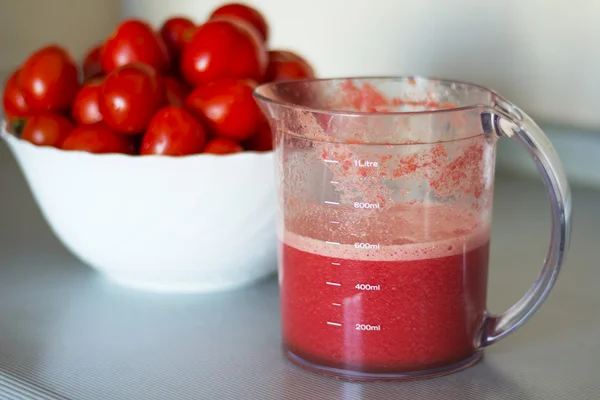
(16, 126)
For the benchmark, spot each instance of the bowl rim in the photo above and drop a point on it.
(11, 137)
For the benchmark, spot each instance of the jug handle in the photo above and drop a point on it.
(505, 119)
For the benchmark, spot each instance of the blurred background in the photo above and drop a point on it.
(538, 53)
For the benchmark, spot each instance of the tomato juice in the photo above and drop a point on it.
(387, 308)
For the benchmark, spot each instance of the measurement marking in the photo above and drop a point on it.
(334, 263)
(333, 323)
(367, 327)
(366, 286)
(366, 163)
(331, 161)
(369, 206)
(334, 182)
(337, 304)
(333, 284)
(336, 243)
(335, 203)
(359, 245)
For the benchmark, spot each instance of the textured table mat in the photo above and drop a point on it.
(66, 333)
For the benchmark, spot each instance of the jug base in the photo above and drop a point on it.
(357, 376)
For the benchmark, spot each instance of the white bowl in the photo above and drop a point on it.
(180, 224)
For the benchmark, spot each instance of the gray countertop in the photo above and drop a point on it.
(66, 333)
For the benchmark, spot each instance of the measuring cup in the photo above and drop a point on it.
(385, 189)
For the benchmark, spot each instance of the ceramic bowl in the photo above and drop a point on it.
(198, 223)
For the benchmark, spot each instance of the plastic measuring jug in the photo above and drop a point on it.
(385, 189)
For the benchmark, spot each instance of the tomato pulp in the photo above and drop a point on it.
(386, 309)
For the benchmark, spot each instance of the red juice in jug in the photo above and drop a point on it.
(412, 299)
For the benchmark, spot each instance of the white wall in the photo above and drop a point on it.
(542, 54)
(26, 25)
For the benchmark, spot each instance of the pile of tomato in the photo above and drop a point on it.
(183, 89)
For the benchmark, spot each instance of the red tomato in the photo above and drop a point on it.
(176, 91)
(227, 108)
(13, 101)
(176, 32)
(130, 96)
(97, 138)
(92, 63)
(224, 49)
(285, 65)
(173, 132)
(222, 146)
(48, 80)
(135, 41)
(262, 140)
(245, 13)
(284, 55)
(46, 129)
(86, 107)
